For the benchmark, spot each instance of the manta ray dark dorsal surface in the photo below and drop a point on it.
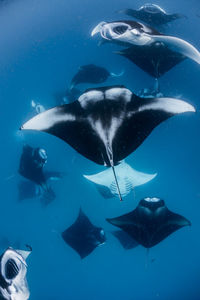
(90, 74)
(83, 236)
(152, 14)
(150, 223)
(107, 124)
(155, 59)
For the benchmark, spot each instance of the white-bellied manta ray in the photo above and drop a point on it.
(107, 124)
(13, 269)
(127, 178)
(149, 49)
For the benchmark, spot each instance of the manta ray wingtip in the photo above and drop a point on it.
(191, 108)
(97, 28)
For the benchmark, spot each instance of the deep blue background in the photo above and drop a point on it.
(42, 43)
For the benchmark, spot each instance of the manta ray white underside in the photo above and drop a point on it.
(127, 177)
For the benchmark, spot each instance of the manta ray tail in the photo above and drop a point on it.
(110, 157)
(120, 196)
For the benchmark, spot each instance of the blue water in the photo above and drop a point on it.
(42, 45)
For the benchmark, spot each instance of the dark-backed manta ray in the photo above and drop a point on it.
(152, 14)
(92, 74)
(152, 51)
(150, 223)
(127, 178)
(13, 269)
(83, 236)
(107, 124)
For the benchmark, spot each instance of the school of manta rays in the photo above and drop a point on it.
(105, 125)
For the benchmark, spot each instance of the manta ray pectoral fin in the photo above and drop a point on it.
(129, 12)
(98, 28)
(168, 105)
(47, 119)
(180, 46)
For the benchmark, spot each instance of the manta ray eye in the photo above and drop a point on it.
(120, 29)
(11, 269)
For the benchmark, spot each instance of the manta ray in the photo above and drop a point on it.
(83, 236)
(92, 74)
(150, 223)
(107, 124)
(152, 51)
(127, 179)
(152, 14)
(13, 269)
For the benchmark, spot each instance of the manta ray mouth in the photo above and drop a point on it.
(11, 269)
(120, 29)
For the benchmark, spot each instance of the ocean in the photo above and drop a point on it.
(43, 43)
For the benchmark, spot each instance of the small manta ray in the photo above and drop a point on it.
(125, 239)
(92, 74)
(83, 236)
(153, 52)
(152, 14)
(150, 223)
(127, 179)
(13, 268)
(107, 124)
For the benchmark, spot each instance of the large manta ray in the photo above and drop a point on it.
(153, 52)
(83, 236)
(152, 14)
(150, 223)
(13, 268)
(107, 124)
